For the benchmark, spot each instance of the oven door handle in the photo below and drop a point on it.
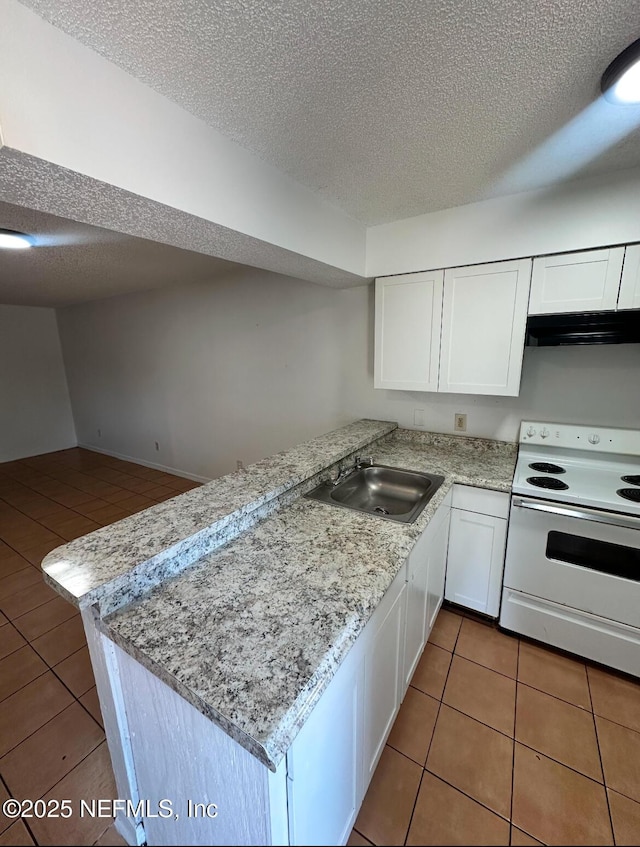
(583, 514)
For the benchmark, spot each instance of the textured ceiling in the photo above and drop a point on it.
(390, 108)
(72, 262)
(115, 252)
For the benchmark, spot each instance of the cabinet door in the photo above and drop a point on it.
(407, 335)
(484, 319)
(437, 568)
(576, 282)
(475, 561)
(630, 286)
(417, 579)
(324, 763)
(382, 682)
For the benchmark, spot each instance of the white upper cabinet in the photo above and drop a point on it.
(407, 335)
(484, 319)
(576, 282)
(629, 297)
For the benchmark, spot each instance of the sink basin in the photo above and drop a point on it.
(392, 493)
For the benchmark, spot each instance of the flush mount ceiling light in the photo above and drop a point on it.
(12, 240)
(621, 81)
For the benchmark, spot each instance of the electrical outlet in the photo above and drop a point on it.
(460, 422)
(239, 465)
(418, 417)
(157, 445)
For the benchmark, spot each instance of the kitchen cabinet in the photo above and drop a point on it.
(477, 537)
(407, 331)
(333, 757)
(382, 682)
(576, 282)
(325, 761)
(461, 330)
(425, 587)
(629, 297)
(484, 319)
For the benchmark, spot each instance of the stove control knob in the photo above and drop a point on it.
(594, 439)
(544, 432)
(531, 432)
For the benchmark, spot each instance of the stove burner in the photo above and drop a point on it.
(550, 482)
(630, 494)
(634, 479)
(547, 467)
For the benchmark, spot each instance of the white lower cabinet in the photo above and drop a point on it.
(425, 588)
(382, 682)
(324, 765)
(477, 539)
(334, 756)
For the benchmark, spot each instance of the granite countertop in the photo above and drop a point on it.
(252, 633)
(115, 564)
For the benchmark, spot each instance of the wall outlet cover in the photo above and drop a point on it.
(418, 417)
(460, 422)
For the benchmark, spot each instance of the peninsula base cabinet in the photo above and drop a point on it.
(163, 748)
(425, 587)
(477, 539)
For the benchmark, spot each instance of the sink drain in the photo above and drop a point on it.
(380, 510)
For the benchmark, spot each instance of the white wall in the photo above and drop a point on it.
(35, 413)
(590, 384)
(578, 215)
(238, 368)
(246, 366)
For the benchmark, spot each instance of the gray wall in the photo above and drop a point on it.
(255, 363)
(239, 368)
(35, 413)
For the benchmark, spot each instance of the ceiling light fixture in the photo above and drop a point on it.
(621, 81)
(12, 240)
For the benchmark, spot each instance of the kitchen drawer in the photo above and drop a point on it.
(481, 500)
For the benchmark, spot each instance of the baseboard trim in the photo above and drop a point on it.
(145, 463)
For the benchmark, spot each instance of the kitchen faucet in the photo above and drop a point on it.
(358, 464)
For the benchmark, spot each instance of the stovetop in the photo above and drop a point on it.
(579, 465)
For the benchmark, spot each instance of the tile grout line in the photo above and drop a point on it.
(435, 724)
(42, 673)
(75, 699)
(28, 828)
(76, 612)
(513, 750)
(604, 779)
(468, 796)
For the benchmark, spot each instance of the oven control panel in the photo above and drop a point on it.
(577, 437)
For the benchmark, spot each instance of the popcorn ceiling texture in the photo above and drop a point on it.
(48, 188)
(389, 109)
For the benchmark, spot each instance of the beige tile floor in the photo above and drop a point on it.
(498, 741)
(52, 743)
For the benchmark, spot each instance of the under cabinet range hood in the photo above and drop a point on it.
(584, 328)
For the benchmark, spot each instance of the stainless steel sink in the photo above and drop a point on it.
(391, 493)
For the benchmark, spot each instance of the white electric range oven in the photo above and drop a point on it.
(572, 567)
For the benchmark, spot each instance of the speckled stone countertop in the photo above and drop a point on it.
(120, 562)
(253, 632)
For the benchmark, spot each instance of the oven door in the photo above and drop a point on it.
(574, 556)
